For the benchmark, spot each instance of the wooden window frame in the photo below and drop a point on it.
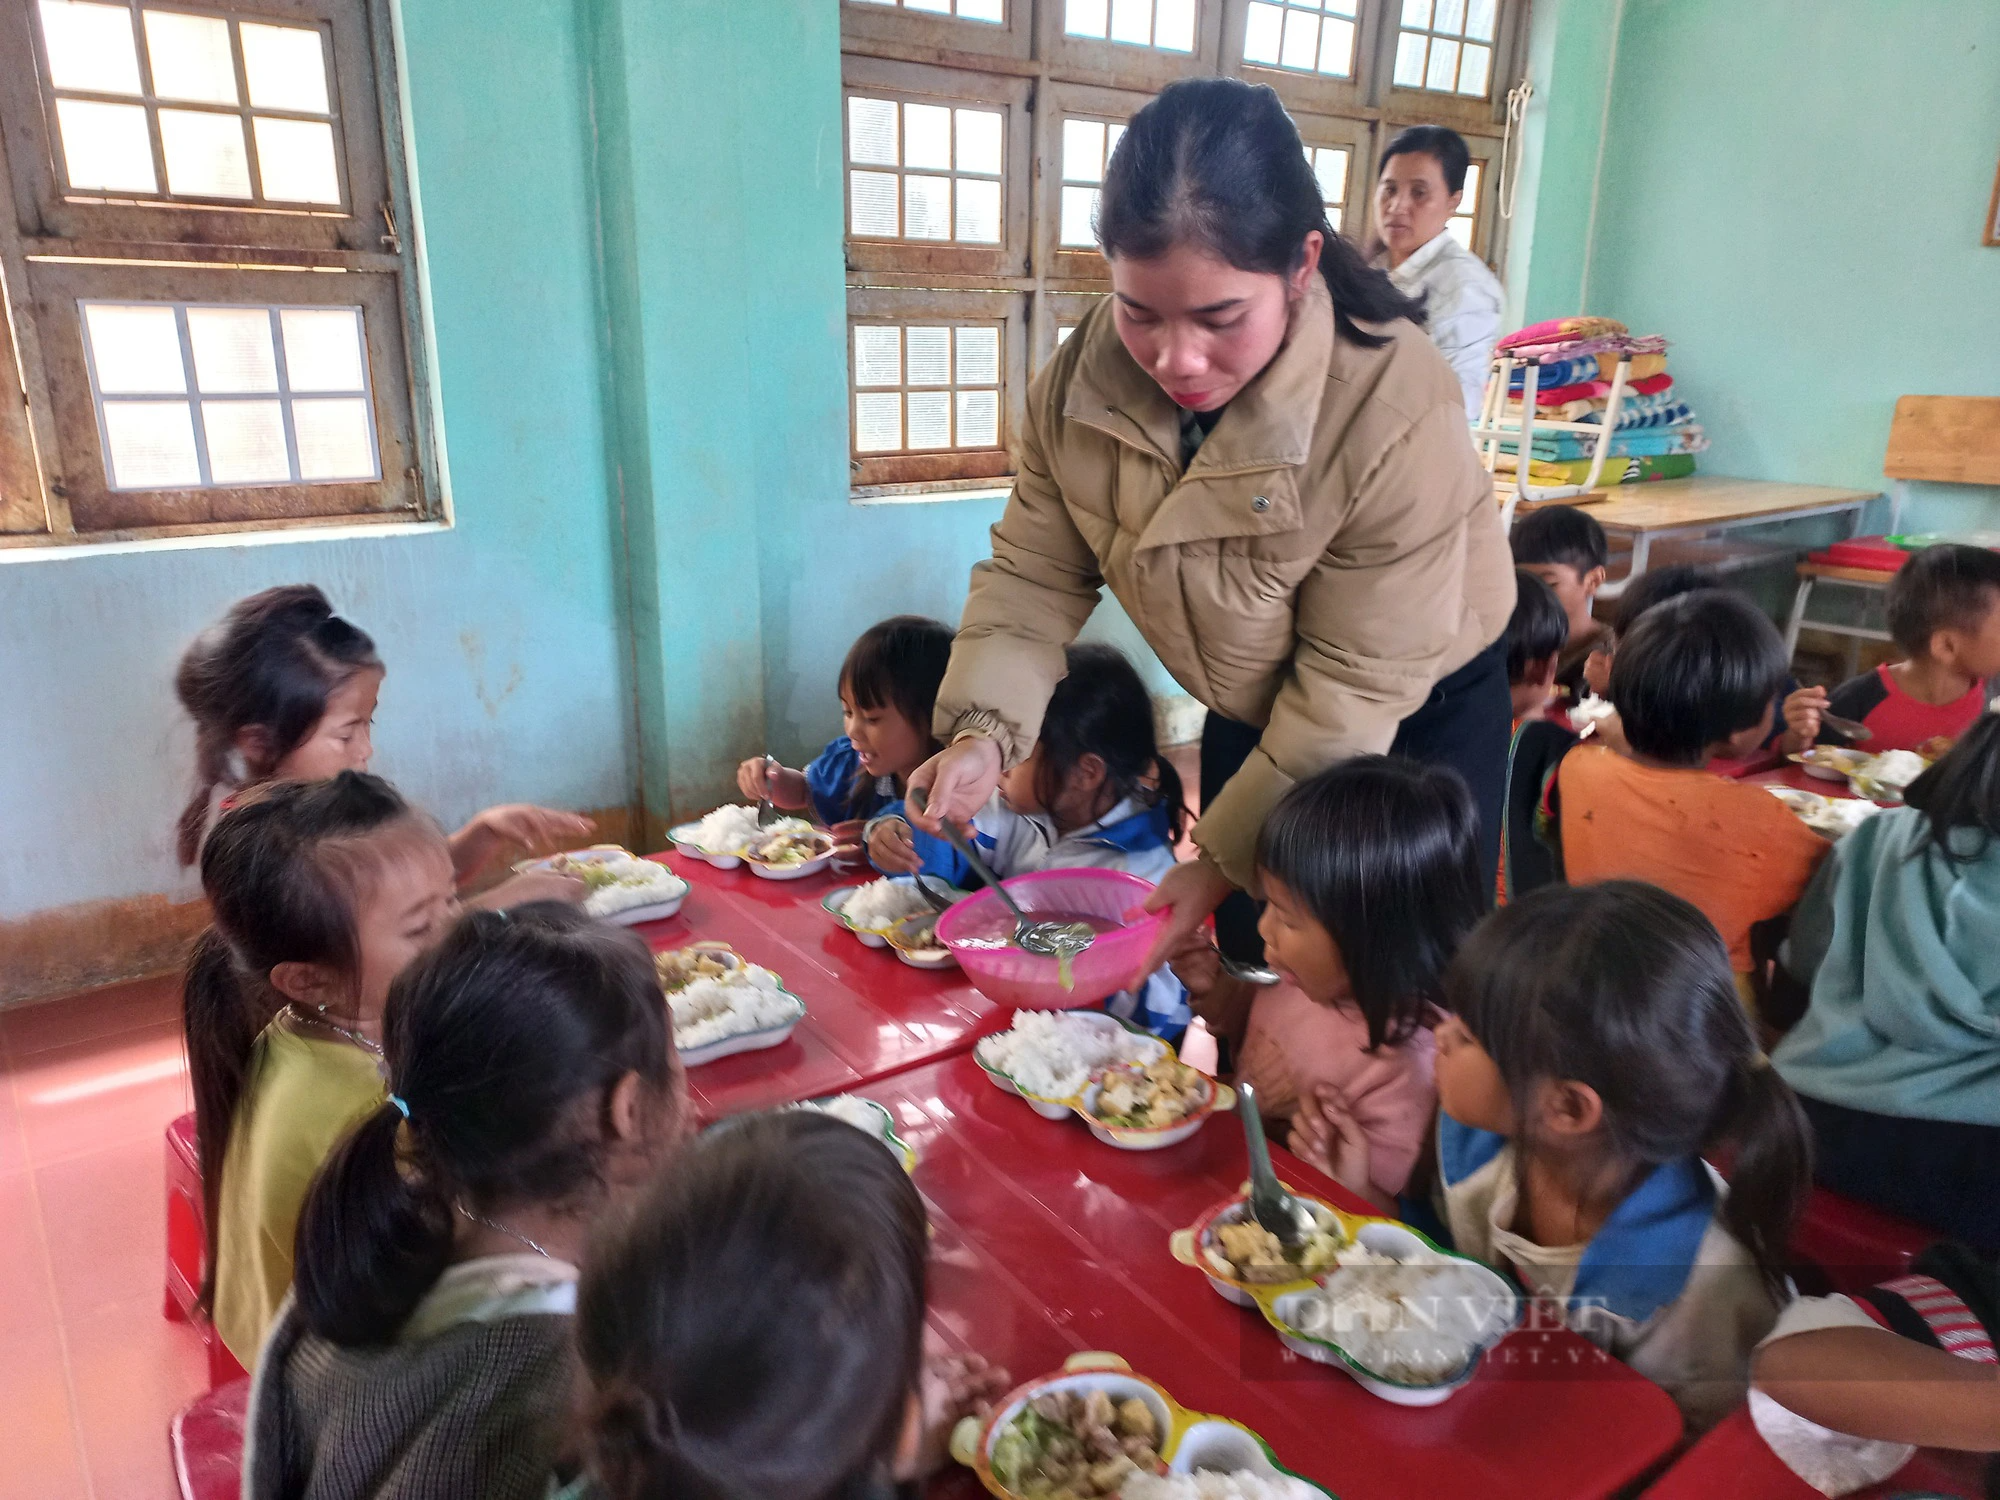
(1319, 93)
(917, 36)
(1070, 267)
(1146, 68)
(1357, 139)
(1052, 310)
(1462, 112)
(57, 249)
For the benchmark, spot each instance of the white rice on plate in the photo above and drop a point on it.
(1417, 1321)
(881, 904)
(710, 1009)
(727, 830)
(1207, 1484)
(1052, 1053)
(862, 1114)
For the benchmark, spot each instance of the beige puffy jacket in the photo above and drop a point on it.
(1331, 552)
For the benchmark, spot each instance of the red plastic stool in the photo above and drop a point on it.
(1734, 1463)
(1853, 1245)
(206, 1438)
(186, 1244)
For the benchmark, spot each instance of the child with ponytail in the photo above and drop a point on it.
(532, 1082)
(1595, 1054)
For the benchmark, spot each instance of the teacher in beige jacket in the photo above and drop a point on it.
(1255, 446)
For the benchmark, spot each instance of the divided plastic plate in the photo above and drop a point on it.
(673, 891)
(742, 1041)
(1220, 1096)
(885, 1130)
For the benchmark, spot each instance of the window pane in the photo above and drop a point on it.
(1083, 151)
(1443, 71)
(878, 423)
(930, 355)
(1330, 167)
(322, 348)
(978, 419)
(1301, 40)
(295, 158)
(205, 155)
(878, 355)
(927, 208)
(1063, 331)
(1085, 17)
(1416, 12)
(1470, 203)
(1472, 69)
(286, 66)
(246, 442)
(1479, 17)
(978, 145)
(1410, 60)
(930, 419)
(978, 211)
(1344, 7)
(935, 7)
(1449, 15)
(1079, 216)
(136, 350)
(1173, 25)
(978, 356)
(90, 47)
(190, 57)
(1262, 33)
(1113, 134)
(1460, 229)
(232, 349)
(106, 146)
(873, 199)
(151, 445)
(871, 131)
(334, 442)
(981, 10)
(1132, 21)
(927, 136)
(1336, 48)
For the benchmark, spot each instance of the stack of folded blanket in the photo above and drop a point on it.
(1656, 436)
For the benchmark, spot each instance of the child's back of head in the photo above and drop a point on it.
(1101, 708)
(530, 1062)
(1563, 534)
(1382, 855)
(1695, 676)
(1944, 588)
(755, 1327)
(1537, 631)
(256, 684)
(1626, 991)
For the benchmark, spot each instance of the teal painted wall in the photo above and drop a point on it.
(1793, 195)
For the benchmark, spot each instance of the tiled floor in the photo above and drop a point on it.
(92, 1371)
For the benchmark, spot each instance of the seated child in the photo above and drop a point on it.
(1340, 1052)
(888, 686)
(1944, 612)
(1095, 793)
(1846, 1389)
(426, 1350)
(284, 689)
(1565, 547)
(321, 893)
(756, 1326)
(1897, 1059)
(1594, 1053)
(1535, 636)
(1693, 681)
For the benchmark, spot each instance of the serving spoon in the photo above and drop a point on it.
(1271, 1206)
(1057, 940)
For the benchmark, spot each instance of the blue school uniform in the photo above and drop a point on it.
(1662, 1285)
(830, 784)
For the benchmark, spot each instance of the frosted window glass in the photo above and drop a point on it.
(1479, 18)
(1132, 21)
(105, 146)
(286, 66)
(978, 419)
(334, 441)
(1417, 13)
(873, 200)
(981, 10)
(930, 419)
(1330, 168)
(1473, 68)
(1083, 151)
(978, 356)
(1173, 25)
(1263, 34)
(1085, 17)
(205, 154)
(927, 136)
(978, 211)
(927, 208)
(136, 350)
(1442, 74)
(1301, 48)
(878, 355)
(296, 160)
(1410, 60)
(1449, 15)
(151, 445)
(978, 146)
(190, 57)
(90, 47)
(1079, 215)
(246, 442)
(322, 348)
(878, 422)
(871, 131)
(929, 355)
(232, 349)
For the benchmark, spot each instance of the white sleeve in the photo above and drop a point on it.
(1831, 1462)
(1465, 326)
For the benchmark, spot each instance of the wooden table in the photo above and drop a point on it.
(1049, 1242)
(1707, 505)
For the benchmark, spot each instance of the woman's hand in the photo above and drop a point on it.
(1189, 895)
(891, 848)
(1802, 720)
(758, 778)
(513, 825)
(1326, 1135)
(956, 783)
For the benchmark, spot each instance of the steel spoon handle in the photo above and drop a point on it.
(979, 866)
(1263, 1177)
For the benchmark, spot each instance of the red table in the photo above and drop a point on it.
(1787, 773)
(1048, 1242)
(1734, 1463)
(867, 1014)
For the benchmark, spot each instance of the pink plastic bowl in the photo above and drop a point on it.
(1021, 979)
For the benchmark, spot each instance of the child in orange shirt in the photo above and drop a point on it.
(1692, 681)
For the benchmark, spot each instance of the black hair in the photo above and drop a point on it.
(755, 1328)
(282, 872)
(270, 664)
(1216, 163)
(1562, 534)
(896, 664)
(1962, 792)
(1946, 587)
(1694, 670)
(1102, 708)
(1439, 142)
(1627, 989)
(504, 1042)
(1657, 586)
(1539, 627)
(1385, 854)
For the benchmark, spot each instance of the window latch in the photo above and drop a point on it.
(392, 242)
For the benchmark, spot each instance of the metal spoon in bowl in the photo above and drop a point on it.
(1271, 1206)
(1058, 940)
(768, 812)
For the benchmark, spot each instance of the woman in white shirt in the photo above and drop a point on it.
(1417, 191)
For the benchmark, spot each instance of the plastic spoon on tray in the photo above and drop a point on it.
(1271, 1206)
(1057, 940)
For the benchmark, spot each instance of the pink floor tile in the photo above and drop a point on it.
(132, 1371)
(81, 1097)
(90, 1015)
(37, 1434)
(13, 1145)
(27, 1297)
(104, 1217)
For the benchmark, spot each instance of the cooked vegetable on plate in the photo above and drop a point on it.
(1151, 1096)
(793, 841)
(1052, 1053)
(617, 882)
(1249, 1252)
(1076, 1445)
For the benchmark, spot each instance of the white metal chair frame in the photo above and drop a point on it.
(1493, 426)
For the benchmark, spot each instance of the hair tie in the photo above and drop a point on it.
(402, 1108)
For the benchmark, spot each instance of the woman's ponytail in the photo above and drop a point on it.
(373, 1238)
(1773, 1172)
